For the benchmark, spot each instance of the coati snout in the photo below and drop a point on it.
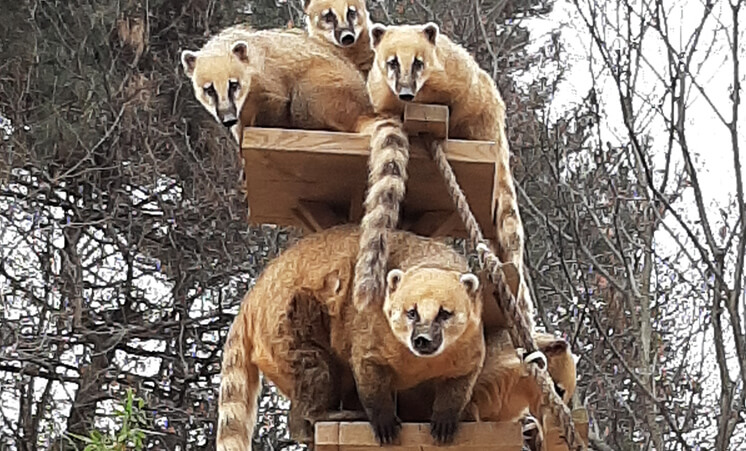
(427, 338)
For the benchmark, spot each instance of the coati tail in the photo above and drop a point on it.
(387, 176)
(239, 388)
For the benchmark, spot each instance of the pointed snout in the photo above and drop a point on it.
(346, 38)
(406, 93)
(228, 117)
(427, 339)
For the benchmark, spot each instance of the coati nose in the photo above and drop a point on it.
(347, 38)
(406, 94)
(229, 120)
(423, 344)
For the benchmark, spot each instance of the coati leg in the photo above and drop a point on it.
(315, 370)
(374, 390)
(451, 397)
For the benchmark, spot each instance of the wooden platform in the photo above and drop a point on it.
(317, 179)
(358, 436)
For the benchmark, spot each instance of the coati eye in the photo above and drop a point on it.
(417, 64)
(443, 314)
(351, 15)
(393, 63)
(233, 85)
(412, 314)
(560, 391)
(210, 91)
(329, 17)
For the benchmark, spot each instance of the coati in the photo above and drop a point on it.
(286, 79)
(504, 390)
(345, 24)
(277, 78)
(429, 328)
(417, 63)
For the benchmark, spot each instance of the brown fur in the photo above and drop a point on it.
(504, 390)
(287, 79)
(299, 328)
(420, 62)
(284, 79)
(333, 20)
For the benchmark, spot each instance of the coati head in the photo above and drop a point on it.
(405, 56)
(561, 364)
(429, 309)
(339, 21)
(221, 81)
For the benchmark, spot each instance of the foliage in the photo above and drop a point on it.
(131, 435)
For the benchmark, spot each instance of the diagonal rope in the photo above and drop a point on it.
(520, 333)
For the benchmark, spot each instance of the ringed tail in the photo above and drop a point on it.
(387, 176)
(239, 388)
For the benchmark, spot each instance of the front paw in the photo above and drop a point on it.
(532, 437)
(443, 427)
(386, 427)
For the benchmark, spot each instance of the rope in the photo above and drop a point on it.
(520, 333)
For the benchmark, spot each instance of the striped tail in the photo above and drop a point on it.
(239, 388)
(387, 176)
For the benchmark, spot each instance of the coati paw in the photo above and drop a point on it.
(443, 427)
(386, 427)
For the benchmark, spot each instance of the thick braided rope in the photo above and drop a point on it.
(520, 333)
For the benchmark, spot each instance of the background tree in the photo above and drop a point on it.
(125, 253)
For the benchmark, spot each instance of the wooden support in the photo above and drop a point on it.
(487, 436)
(316, 216)
(330, 168)
(420, 119)
(358, 436)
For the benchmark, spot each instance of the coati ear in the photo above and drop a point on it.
(188, 61)
(471, 282)
(555, 347)
(241, 50)
(377, 31)
(393, 279)
(431, 31)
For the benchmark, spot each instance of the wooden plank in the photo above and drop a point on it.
(358, 436)
(423, 119)
(317, 215)
(284, 166)
(553, 435)
(326, 436)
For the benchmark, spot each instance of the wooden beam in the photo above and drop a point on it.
(317, 215)
(358, 436)
(423, 119)
(553, 436)
(338, 143)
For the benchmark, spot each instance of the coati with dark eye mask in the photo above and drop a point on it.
(345, 24)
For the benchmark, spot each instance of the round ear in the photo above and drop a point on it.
(188, 61)
(241, 50)
(431, 31)
(470, 281)
(393, 279)
(556, 347)
(377, 31)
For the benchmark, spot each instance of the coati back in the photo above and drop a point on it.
(345, 24)
(429, 330)
(417, 63)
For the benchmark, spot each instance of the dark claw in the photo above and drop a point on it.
(386, 428)
(443, 428)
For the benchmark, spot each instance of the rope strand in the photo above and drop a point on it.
(520, 333)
